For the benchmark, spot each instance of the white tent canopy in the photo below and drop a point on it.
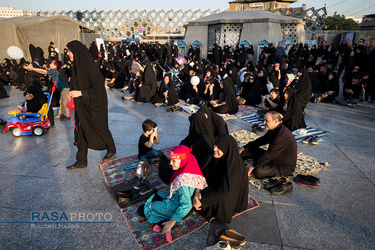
(39, 31)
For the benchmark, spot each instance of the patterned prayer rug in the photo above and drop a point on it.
(306, 165)
(254, 118)
(245, 110)
(114, 173)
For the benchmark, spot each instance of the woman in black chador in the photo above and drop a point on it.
(303, 86)
(293, 111)
(228, 103)
(149, 85)
(166, 92)
(228, 185)
(91, 104)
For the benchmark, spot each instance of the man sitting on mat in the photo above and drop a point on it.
(281, 157)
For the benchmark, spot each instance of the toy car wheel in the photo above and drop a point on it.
(16, 132)
(38, 131)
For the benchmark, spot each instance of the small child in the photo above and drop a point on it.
(270, 102)
(147, 140)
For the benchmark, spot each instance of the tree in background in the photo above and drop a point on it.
(338, 22)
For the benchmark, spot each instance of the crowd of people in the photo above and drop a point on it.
(209, 171)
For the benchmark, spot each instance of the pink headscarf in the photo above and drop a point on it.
(189, 174)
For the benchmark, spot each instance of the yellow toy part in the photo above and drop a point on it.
(43, 112)
(14, 112)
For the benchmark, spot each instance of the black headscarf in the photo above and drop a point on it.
(201, 137)
(227, 180)
(230, 96)
(149, 85)
(220, 126)
(303, 86)
(172, 93)
(92, 106)
(35, 104)
(94, 50)
(235, 77)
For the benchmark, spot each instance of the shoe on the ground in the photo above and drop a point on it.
(307, 139)
(146, 188)
(282, 189)
(315, 140)
(59, 116)
(65, 118)
(109, 156)
(223, 245)
(158, 104)
(272, 183)
(350, 105)
(231, 234)
(254, 128)
(234, 244)
(75, 166)
(307, 180)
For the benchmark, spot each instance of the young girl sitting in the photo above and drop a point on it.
(166, 210)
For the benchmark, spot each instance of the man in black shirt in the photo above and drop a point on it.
(281, 157)
(113, 79)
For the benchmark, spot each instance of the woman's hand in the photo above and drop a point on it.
(168, 226)
(75, 93)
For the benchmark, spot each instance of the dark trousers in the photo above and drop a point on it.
(268, 170)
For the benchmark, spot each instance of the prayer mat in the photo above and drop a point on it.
(187, 107)
(255, 118)
(115, 173)
(306, 165)
(245, 110)
(310, 132)
(227, 116)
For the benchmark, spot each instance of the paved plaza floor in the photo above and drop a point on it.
(340, 214)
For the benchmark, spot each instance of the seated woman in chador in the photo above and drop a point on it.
(166, 210)
(228, 185)
(166, 93)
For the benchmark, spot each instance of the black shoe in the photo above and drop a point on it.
(310, 181)
(307, 139)
(272, 183)
(282, 189)
(258, 127)
(109, 156)
(254, 129)
(125, 192)
(75, 166)
(315, 140)
(146, 188)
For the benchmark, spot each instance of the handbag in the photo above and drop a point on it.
(70, 104)
(165, 169)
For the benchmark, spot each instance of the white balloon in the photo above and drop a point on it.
(195, 80)
(15, 52)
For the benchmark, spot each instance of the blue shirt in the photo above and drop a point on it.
(57, 77)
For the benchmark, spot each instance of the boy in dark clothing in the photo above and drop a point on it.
(147, 140)
(270, 102)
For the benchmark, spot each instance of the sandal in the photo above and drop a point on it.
(231, 234)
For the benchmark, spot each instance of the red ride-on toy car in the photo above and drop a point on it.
(29, 123)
